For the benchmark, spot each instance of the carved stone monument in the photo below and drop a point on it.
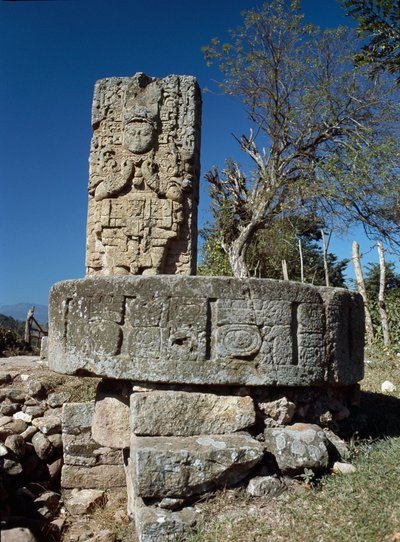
(210, 371)
(144, 176)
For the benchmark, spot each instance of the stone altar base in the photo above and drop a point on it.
(208, 382)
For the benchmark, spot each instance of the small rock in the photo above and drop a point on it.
(35, 411)
(48, 425)
(16, 396)
(343, 468)
(12, 467)
(58, 399)
(5, 419)
(339, 445)
(3, 450)
(171, 504)
(8, 409)
(22, 416)
(55, 468)
(28, 433)
(31, 401)
(24, 377)
(47, 504)
(262, 486)
(388, 387)
(36, 388)
(16, 444)
(280, 411)
(84, 501)
(19, 534)
(56, 440)
(42, 445)
(16, 426)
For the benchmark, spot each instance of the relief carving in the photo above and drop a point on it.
(143, 180)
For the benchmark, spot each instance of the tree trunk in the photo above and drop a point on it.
(325, 246)
(236, 251)
(362, 291)
(284, 270)
(381, 296)
(301, 261)
(28, 325)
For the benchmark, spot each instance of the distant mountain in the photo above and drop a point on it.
(20, 310)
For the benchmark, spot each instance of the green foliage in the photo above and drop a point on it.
(392, 306)
(7, 322)
(379, 25)
(392, 302)
(279, 242)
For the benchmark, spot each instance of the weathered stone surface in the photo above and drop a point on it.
(298, 447)
(278, 412)
(156, 524)
(58, 399)
(176, 413)
(77, 417)
(83, 501)
(18, 534)
(144, 176)
(42, 445)
(48, 425)
(16, 444)
(262, 486)
(110, 425)
(183, 466)
(206, 330)
(97, 477)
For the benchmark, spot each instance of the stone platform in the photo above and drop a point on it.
(206, 331)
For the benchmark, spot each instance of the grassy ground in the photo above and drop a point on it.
(362, 507)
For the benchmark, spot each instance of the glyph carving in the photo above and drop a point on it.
(143, 177)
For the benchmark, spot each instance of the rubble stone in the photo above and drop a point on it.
(110, 425)
(16, 444)
(84, 501)
(298, 447)
(262, 486)
(42, 445)
(281, 411)
(159, 524)
(48, 425)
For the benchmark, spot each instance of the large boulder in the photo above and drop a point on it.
(184, 466)
(298, 447)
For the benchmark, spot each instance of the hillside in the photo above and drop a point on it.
(20, 310)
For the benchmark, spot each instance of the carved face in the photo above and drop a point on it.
(139, 137)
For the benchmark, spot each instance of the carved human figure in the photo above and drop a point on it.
(143, 177)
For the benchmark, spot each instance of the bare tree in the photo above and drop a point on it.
(362, 290)
(381, 295)
(324, 136)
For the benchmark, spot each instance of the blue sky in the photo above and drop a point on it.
(52, 52)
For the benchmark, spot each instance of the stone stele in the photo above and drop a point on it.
(144, 176)
(206, 330)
